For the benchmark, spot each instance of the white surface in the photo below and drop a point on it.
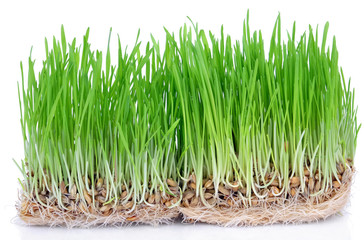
(25, 24)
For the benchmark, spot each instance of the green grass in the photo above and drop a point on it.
(204, 105)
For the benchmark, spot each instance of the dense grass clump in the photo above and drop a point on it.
(201, 108)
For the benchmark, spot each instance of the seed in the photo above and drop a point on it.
(146, 195)
(73, 191)
(295, 181)
(339, 177)
(194, 202)
(103, 192)
(188, 194)
(208, 184)
(99, 183)
(264, 191)
(174, 189)
(293, 192)
(336, 184)
(317, 176)
(266, 177)
(63, 187)
(271, 199)
(119, 208)
(105, 208)
(69, 208)
(157, 197)
(210, 191)
(211, 201)
(174, 201)
(224, 190)
(208, 195)
(311, 184)
(275, 183)
(306, 172)
(107, 213)
(123, 187)
(168, 204)
(65, 200)
(317, 186)
(235, 188)
(204, 181)
(193, 178)
(254, 202)
(340, 168)
(171, 182)
(77, 197)
(94, 192)
(151, 199)
(87, 197)
(192, 185)
(185, 203)
(131, 196)
(230, 202)
(42, 198)
(101, 199)
(44, 192)
(83, 207)
(36, 213)
(128, 205)
(133, 218)
(123, 195)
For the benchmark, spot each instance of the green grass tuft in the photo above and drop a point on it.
(204, 105)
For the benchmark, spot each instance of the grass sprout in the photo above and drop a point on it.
(205, 107)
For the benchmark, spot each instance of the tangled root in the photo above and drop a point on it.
(284, 210)
(292, 210)
(32, 213)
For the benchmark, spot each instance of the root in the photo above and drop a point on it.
(32, 213)
(292, 210)
(225, 212)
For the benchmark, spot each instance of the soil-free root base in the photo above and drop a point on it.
(297, 210)
(35, 214)
(292, 210)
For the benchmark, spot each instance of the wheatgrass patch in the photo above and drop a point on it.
(218, 131)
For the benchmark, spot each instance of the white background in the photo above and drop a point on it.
(25, 23)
